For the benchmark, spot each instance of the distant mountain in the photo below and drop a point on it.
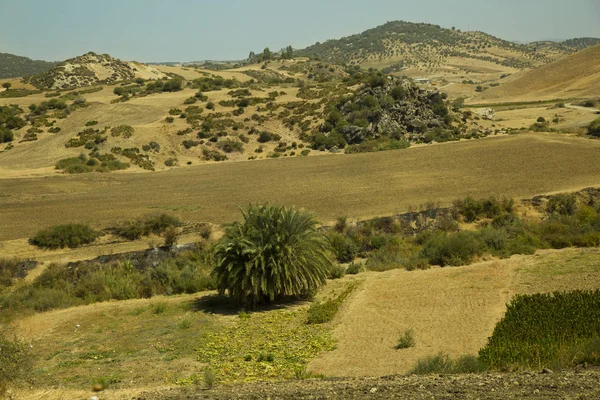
(426, 45)
(90, 69)
(12, 66)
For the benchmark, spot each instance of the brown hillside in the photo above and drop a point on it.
(577, 75)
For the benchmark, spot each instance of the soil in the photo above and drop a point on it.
(573, 384)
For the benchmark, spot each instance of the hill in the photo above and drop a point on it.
(426, 45)
(12, 66)
(577, 75)
(90, 69)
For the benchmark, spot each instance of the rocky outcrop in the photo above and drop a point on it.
(397, 109)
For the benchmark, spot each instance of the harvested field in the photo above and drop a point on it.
(359, 186)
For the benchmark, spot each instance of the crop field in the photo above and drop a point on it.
(358, 186)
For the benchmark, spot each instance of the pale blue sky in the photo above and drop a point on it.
(189, 30)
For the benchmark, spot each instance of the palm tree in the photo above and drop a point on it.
(274, 252)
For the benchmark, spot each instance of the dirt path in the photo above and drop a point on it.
(589, 109)
(451, 310)
(584, 384)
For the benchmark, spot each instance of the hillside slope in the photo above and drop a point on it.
(427, 45)
(90, 69)
(574, 76)
(12, 66)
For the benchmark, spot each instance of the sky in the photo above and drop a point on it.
(193, 30)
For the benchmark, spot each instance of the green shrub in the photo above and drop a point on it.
(344, 248)
(472, 209)
(355, 268)
(256, 257)
(538, 329)
(594, 128)
(452, 249)
(230, 146)
(336, 271)
(562, 204)
(15, 362)
(122, 130)
(61, 236)
(443, 364)
(406, 340)
(190, 100)
(385, 259)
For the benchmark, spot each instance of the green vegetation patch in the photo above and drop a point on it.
(264, 346)
(61, 236)
(547, 330)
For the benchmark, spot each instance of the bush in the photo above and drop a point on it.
(594, 128)
(122, 130)
(61, 236)
(15, 362)
(156, 224)
(562, 204)
(230, 146)
(190, 100)
(406, 340)
(472, 209)
(336, 271)
(355, 268)
(443, 364)
(452, 249)
(255, 257)
(265, 137)
(344, 249)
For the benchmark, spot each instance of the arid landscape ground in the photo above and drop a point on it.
(516, 122)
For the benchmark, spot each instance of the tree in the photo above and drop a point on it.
(251, 56)
(287, 53)
(594, 128)
(6, 85)
(275, 252)
(267, 55)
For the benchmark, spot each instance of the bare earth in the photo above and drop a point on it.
(564, 385)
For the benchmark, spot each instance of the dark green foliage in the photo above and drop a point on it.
(406, 340)
(443, 364)
(190, 100)
(562, 204)
(336, 271)
(381, 144)
(452, 249)
(538, 329)
(265, 137)
(594, 128)
(155, 224)
(213, 155)
(472, 210)
(61, 286)
(208, 84)
(122, 130)
(95, 163)
(9, 120)
(230, 146)
(12, 66)
(15, 362)
(344, 248)
(274, 252)
(61, 236)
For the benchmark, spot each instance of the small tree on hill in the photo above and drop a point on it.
(6, 85)
(274, 252)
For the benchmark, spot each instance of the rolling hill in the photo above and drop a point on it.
(575, 76)
(12, 66)
(90, 69)
(426, 45)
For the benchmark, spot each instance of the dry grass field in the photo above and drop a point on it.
(574, 76)
(359, 186)
(451, 310)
